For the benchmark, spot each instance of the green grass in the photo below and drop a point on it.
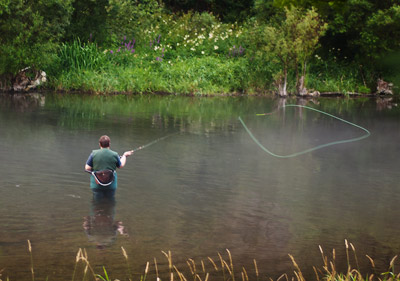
(208, 75)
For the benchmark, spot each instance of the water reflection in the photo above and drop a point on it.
(25, 102)
(100, 226)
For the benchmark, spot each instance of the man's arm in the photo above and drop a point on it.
(89, 163)
(123, 158)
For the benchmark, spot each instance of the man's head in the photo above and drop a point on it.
(104, 141)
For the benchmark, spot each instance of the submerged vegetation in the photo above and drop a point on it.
(152, 46)
(222, 268)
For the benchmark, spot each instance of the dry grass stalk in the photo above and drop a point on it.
(194, 265)
(127, 262)
(79, 256)
(213, 263)
(203, 267)
(30, 253)
(169, 258)
(231, 262)
(179, 273)
(227, 267)
(245, 274)
(190, 267)
(300, 277)
(222, 265)
(355, 255)
(316, 273)
(324, 258)
(256, 268)
(371, 260)
(88, 266)
(155, 265)
(297, 275)
(392, 262)
(146, 270)
(347, 255)
(197, 276)
(283, 275)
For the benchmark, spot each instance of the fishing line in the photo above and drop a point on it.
(153, 142)
(367, 134)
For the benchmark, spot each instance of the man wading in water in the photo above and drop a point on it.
(102, 164)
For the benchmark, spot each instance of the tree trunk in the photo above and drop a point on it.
(282, 88)
(300, 87)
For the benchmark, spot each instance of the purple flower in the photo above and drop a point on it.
(111, 51)
(119, 49)
(124, 38)
(132, 51)
(158, 59)
(158, 40)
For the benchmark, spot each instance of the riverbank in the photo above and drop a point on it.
(88, 68)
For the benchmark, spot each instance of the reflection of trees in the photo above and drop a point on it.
(100, 226)
(385, 103)
(25, 102)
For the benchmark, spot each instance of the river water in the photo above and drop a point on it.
(205, 188)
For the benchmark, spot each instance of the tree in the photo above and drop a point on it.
(88, 21)
(30, 31)
(291, 42)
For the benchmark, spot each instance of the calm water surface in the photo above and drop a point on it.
(206, 188)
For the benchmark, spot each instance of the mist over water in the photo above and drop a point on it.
(206, 188)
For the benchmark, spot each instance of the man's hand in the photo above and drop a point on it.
(128, 153)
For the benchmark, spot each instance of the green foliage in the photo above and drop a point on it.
(105, 278)
(132, 18)
(88, 21)
(30, 32)
(77, 56)
(238, 10)
(206, 75)
(291, 41)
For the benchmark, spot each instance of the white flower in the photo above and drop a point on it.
(193, 49)
(202, 52)
(215, 47)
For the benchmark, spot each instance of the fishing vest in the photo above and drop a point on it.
(105, 159)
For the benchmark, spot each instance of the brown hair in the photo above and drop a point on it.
(104, 141)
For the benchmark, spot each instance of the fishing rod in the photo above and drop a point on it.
(153, 142)
(367, 133)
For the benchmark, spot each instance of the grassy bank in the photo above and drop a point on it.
(223, 268)
(205, 59)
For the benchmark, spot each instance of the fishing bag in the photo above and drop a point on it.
(104, 177)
